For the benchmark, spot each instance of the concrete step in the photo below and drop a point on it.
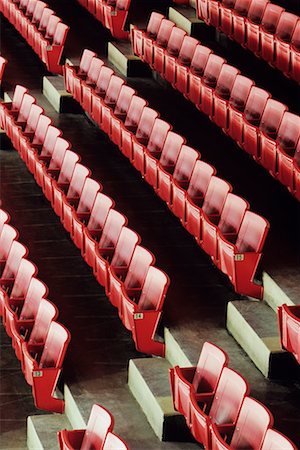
(186, 18)
(42, 431)
(60, 99)
(121, 56)
(148, 381)
(275, 295)
(253, 324)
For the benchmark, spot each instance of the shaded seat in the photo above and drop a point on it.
(222, 95)
(3, 63)
(42, 369)
(254, 18)
(197, 67)
(152, 46)
(165, 60)
(289, 329)
(118, 115)
(72, 72)
(295, 54)
(106, 105)
(183, 63)
(209, 81)
(253, 422)
(33, 22)
(100, 423)
(226, 13)
(39, 152)
(288, 140)
(83, 86)
(200, 379)
(239, 20)
(99, 92)
(125, 130)
(221, 409)
(274, 440)
(268, 27)
(8, 235)
(283, 36)
(140, 37)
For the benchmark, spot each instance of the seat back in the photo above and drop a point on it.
(272, 117)
(240, 92)
(112, 228)
(16, 253)
(33, 118)
(289, 326)
(46, 313)
(286, 25)
(4, 219)
(215, 196)
(211, 362)
(123, 101)
(171, 149)
(295, 42)
(114, 442)
(141, 260)
(200, 180)
(154, 24)
(276, 441)
(67, 167)
(187, 50)
(230, 393)
(200, 59)
(105, 75)
(100, 210)
(146, 123)
(135, 110)
(123, 4)
(55, 347)
(253, 421)
(185, 164)
(256, 10)
(99, 424)
(255, 105)
(50, 139)
(212, 70)
(228, 4)
(164, 32)
(37, 290)
(271, 17)
(41, 129)
(19, 93)
(125, 246)
(47, 13)
(241, 7)
(232, 215)
(59, 152)
(79, 176)
(88, 195)
(26, 271)
(38, 12)
(94, 71)
(253, 233)
(158, 136)
(85, 61)
(51, 26)
(60, 34)
(7, 236)
(226, 80)
(30, 8)
(113, 90)
(3, 63)
(154, 290)
(27, 102)
(289, 133)
(175, 41)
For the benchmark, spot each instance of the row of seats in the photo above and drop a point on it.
(215, 402)
(289, 329)
(220, 221)
(261, 126)
(3, 63)
(29, 318)
(264, 28)
(125, 268)
(111, 13)
(97, 435)
(40, 27)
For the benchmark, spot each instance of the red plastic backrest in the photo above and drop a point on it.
(27, 102)
(211, 362)
(33, 118)
(100, 210)
(99, 424)
(226, 80)
(200, 59)
(51, 26)
(60, 34)
(19, 93)
(252, 424)
(228, 3)
(113, 442)
(290, 329)
(113, 90)
(200, 179)
(185, 164)
(135, 111)
(154, 290)
(125, 246)
(289, 132)
(158, 135)
(146, 123)
(88, 195)
(30, 8)
(38, 12)
(187, 50)
(240, 92)
(212, 70)
(3, 63)
(232, 214)
(41, 129)
(46, 313)
(296, 37)
(68, 166)
(112, 229)
(23, 4)
(138, 268)
(154, 24)
(103, 80)
(16, 253)
(85, 62)
(252, 234)
(164, 32)
(124, 99)
(256, 10)
(47, 13)
(56, 344)
(175, 41)
(7, 236)
(286, 26)
(241, 7)
(171, 149)
(123, 4)
(59, 153)
(25, 272)
(77, 181)
(215, 196)
(276, 441)
(94, 70)
(4, 219)
(37, 290)
(50, 139)
(271, 17)
(255, 105)
(272, 117)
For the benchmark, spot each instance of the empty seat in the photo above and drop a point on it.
(118, 116)
(71, 72)
(4, 219)
(255, 14)
(289, 327)
(288, 139)
(165, 60)
(226, 13)
(16, 122)
(283, 36)
(253, 422)
(183, 63)
(295, 54)
(37, 153)
(12, 107)
(268, 28)
(130, 125)
(139, 37)
(28, 129)
(199, 379)
(222, 94)
(109, 102)
(115, 18)
(152, 47)
(114, 442)
(274, 440)
(83, 86)
(99, 424)
(43, 369)
(221, 408)
(27, 143)
(100, 91)
(33, 23)
(240, 260)
(3, 63)
(7, 236)
(209, 81)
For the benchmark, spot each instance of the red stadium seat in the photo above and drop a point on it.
(200, 379)
(197, 67)
(283, 36)
(83, 86)
(221, 409)
(130, 124)
(118, 116)
(160, 43)
(30, 127)
(288, 140)
(295, 54)
(38, 152)
(274, 440)
(115, 18)
(114, 442)
(33, 23)
(253, 422)
(109, 102)
(100, 91)
(139, 37)
(209, 81)
(183, 63)
(15, 122)
(4, 219)
(165, 60)
(289, 328)
(226, 13)
(240, 260)
(7, 236)
(239, 20)
(268, 28)
(222, 94)
(27, 143)
(13, 106)
(253, 22)
(71, 72)
(3, 63)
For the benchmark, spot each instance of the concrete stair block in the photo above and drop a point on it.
(77, 419)
(186, 18)
(253, 324)
(274, 296)
(42, 431)
(148, 381)
(60, 99)
(121, 56)
(175, 353)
